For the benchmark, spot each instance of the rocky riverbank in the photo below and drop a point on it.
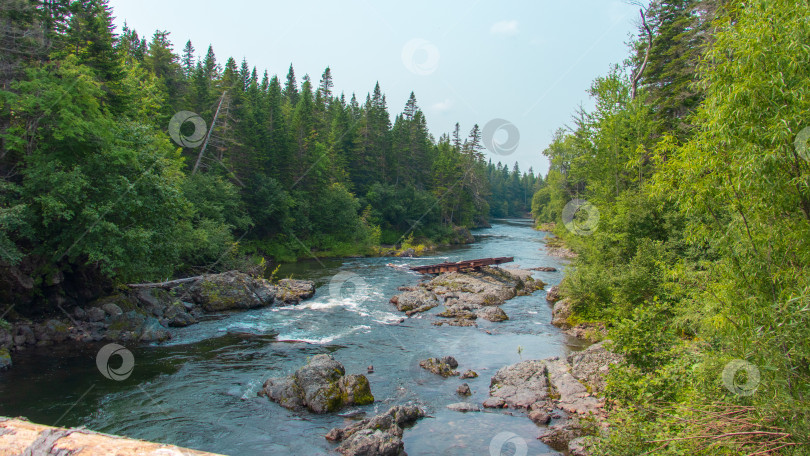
(467, 296)
(146, 314)
(561, 394)
(562, 317)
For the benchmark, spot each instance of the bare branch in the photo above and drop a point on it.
(637, 75)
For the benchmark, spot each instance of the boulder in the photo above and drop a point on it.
(441, 366)
(321, 386)
(564, 388)
(467, 295)
(469, 374)
(112, 309)
(176, 315)
(227, 291)
(494, 314)
(458, 312)
(380, 435)
(57, 331)
(463, 390)
(153, 331)
(95, 314)
(416, 300)
(494, 402)
(369, 442)
(79, 314)
(520, 385)
(292, 291)
(553, 294)
(488, 287)
(154, 300)
(557, 436)
(23, 334)
(540, 417)
(561, 314)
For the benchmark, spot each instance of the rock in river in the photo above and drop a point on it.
(377, 436)
(291, 291)
(416, 300)
(231, 290)
(468, 295)
(464, 407)
(321, 386)
(443, 366)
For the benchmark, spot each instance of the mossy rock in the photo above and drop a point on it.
(356, 390)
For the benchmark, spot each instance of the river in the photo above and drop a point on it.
(199, 389)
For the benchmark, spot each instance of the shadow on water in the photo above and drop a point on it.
(199, 389)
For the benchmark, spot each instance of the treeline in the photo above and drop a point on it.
(511, 191)
(94, 190)
(700, 260)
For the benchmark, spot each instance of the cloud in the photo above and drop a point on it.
(505, 28)
(442, 106)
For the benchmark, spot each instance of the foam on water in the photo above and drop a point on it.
(294, 337)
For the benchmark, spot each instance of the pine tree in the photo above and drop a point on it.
(290, 91)
(162, 61)
(188, 59)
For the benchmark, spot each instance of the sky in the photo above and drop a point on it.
(518, 69)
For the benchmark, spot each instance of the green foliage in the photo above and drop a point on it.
(701, 252)
(93, 182)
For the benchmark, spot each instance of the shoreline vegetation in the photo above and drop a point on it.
(105, 179)
(682, 199)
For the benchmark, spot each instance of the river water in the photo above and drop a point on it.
(199, 389)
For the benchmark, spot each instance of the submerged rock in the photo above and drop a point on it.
(464, 407)
(321, 386)
(377, 436)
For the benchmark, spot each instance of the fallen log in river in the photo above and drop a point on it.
(461, 265)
